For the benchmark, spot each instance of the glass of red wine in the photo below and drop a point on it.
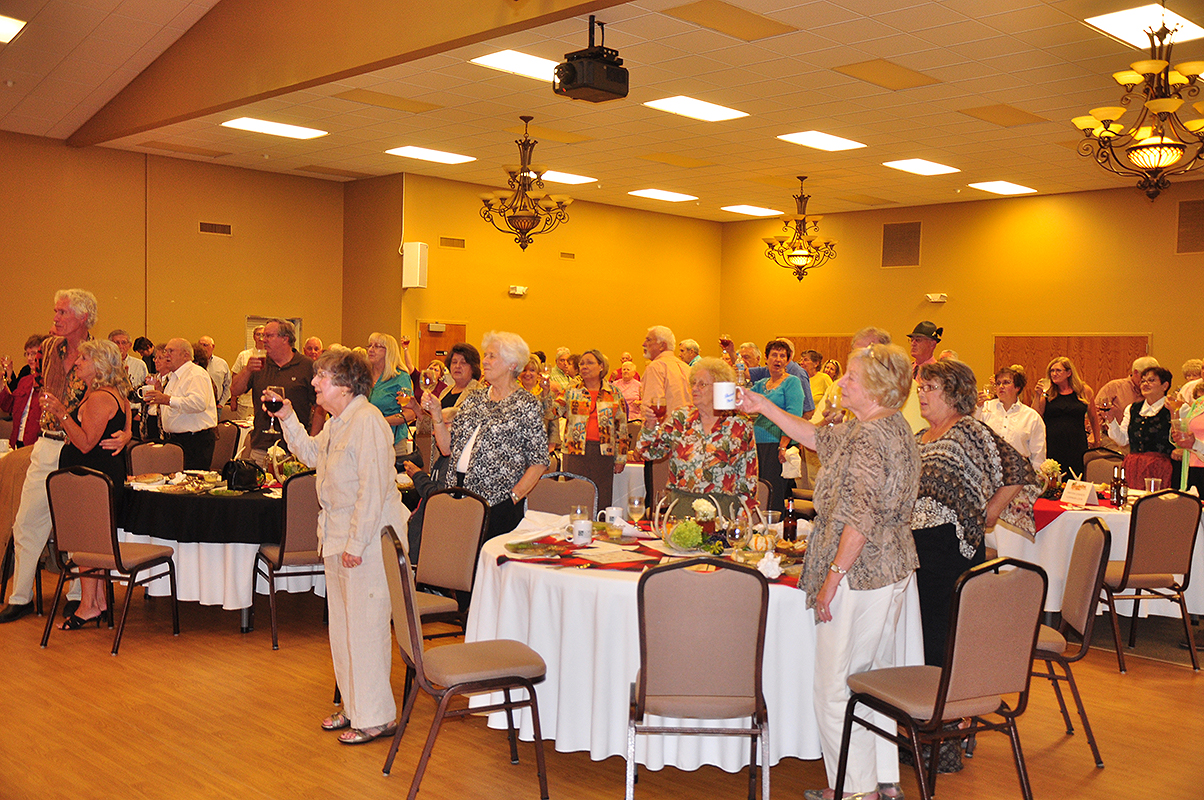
(273, 402)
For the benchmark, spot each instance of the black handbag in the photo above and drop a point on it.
(243, 475)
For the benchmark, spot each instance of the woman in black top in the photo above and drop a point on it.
(1067, 405)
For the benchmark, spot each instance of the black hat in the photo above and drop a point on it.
(927, 330)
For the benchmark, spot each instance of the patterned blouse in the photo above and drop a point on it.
(577, 405)
(962, 470)
(723, 460)
(512, 439)
(870, 479)
(60, 379)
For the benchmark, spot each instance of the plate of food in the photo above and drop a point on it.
(149, 479)
(226, 492)
(532, 549)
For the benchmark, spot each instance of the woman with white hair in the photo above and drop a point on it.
(497, 441)
(389, 378)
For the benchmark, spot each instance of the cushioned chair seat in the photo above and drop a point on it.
(1049, 642)
(700, 706)
(133, 556)
(1116, 570)
(914, 690)
(293, 558)
(482, 661)
(429, 604)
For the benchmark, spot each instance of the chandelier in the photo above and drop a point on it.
(525, 210)
(800, 250)
(1159, 144)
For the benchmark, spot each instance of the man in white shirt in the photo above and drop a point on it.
(218, 370)
(241, 404)
(134, 366)
(187, 408)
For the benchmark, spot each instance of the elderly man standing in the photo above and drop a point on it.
(74, 314)
(924, 340)
(666, 378)
(312, 349)
(218, 370)
(558, 376)
(286, 368)
(187, 407)
(241, 405)
(134, 365)
(688, 351)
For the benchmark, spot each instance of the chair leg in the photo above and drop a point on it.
(37, 589)
(6, 568)
(1054, 679)
(272, 605)
(540, 767)
(1021, 769)
(1078, 701)
(406, 709)
(1133, 623)
(125, 610)
(111, 603)
(765, 759)
(510, 734)
(843, 760)
(629, 793)
(752, 767)
(175, 599)
(1120, 651)
(917, 760)
(58, 592)
(436, 723)
(1191, 642)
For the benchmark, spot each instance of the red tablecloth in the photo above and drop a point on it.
(1046, 511)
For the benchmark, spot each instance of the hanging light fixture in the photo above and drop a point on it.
(1160, 144)
(525, 210)
(800, 250)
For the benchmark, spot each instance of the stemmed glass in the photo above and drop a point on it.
(273, 403)
(636, 508)
(657, 404)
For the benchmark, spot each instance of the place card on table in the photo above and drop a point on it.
(613, 557)
(1079, 493)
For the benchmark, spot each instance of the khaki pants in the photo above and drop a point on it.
(31, 528)
(361, 643)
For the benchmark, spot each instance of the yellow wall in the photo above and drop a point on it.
(371, 264)
(1091, 262)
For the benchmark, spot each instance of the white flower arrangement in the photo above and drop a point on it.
(704, 510)
(770, 565)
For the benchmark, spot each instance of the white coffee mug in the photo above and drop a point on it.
(582, 531)
(611, 515)
(725, 396)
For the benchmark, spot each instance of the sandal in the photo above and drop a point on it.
(828, 794)
(890, 790)
(336, 722)
(75, 622)
(362, 735)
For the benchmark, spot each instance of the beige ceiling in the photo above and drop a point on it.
(1009, 74)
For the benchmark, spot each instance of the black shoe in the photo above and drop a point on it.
(14, 611)
(70, 608)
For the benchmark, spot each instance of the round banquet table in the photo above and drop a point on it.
(584, 625)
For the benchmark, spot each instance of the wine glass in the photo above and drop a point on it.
(404, 396)
(273, 403)
(636, 508)
(659, 409)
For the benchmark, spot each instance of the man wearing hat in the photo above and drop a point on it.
(924, 340)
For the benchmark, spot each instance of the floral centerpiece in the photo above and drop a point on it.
(1050, 476)
(703, 531)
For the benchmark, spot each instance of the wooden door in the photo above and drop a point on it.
(438, 343)
(1097, 358)
(836, 347)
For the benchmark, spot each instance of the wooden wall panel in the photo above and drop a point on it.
(1098, 358)
(836, 347)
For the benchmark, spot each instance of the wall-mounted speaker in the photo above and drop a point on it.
(413, 265)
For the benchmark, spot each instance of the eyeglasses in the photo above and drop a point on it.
(929, 388)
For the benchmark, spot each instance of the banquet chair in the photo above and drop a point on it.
(223, 449)
(499, 665)
(453, 529)
(1162, 536)
(84, 526)
(684, 609)
(155, 457)
(556, 492)
(992, 635)
(298, 547)
(1080, 597)
(763, 491)
(423, 444)
(1099, 462)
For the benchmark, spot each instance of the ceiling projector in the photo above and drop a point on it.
(595, 74)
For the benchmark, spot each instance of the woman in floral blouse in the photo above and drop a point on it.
(595, 434)
(497, 441)
(709, 454)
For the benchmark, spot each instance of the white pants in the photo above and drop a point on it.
(361, 643)
(860, 637)
(31, 527)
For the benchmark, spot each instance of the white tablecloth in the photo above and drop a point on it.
(584, 625)
(1055, 542)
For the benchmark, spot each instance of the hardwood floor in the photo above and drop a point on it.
(216, 714)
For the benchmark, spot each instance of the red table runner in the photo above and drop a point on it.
(1046, 511)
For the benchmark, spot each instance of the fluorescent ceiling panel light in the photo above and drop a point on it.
(918, 166)
(820, 141)
(424, 154)
(695, 109)
(9, 28)
(566, 177)
(516, 63)
(1002, 187)
(661, 194)
(752, 211)
(1131, 24)
(273, 128)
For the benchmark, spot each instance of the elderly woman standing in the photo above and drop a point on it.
(353, 455)
(861, 556)
(497, 441)
(969, 477)
(595, 436)
(709, 453)
(786, 392)
(389, 380)
(1145, 427)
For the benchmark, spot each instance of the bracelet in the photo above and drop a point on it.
(833, 567)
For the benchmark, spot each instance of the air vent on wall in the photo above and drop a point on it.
(447, 241)
(216, 227)
(901, 244)
(1191, 227)
(568, 256)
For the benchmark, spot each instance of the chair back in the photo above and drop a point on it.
(81, 512)
(423, 444)
(1085, 578)
(452, 528)
(300, 529)
(156, 457)
(1162, 535)
(1099, 469)
(763, 495)
(556, 492)
(402, 595)
(227, 443)
(683, 613)
(993, 632)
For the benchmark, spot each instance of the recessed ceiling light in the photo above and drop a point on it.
(1131, 24)
(273, 128)
(518, 63)
(661, 194)
(9, 28)
(820, 141)
(918, 166)
(752, 211)
(424, 154)
(1002, 187)
(695, 109)
(566, 177)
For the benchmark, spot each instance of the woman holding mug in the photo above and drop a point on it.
(595, 433)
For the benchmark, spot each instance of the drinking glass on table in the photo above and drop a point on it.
(636, 508)
(273, 401)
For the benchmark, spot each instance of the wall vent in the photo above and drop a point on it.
(901, 244)
(568, 256)
(447, 241)
(216, 227)
(1191, 227)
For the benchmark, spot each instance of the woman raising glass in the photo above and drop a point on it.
(786, 392)
(1145, 427)
(464, 366)
(391, 388)
(595, 433)
(1065, 404)
(1019, 425)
